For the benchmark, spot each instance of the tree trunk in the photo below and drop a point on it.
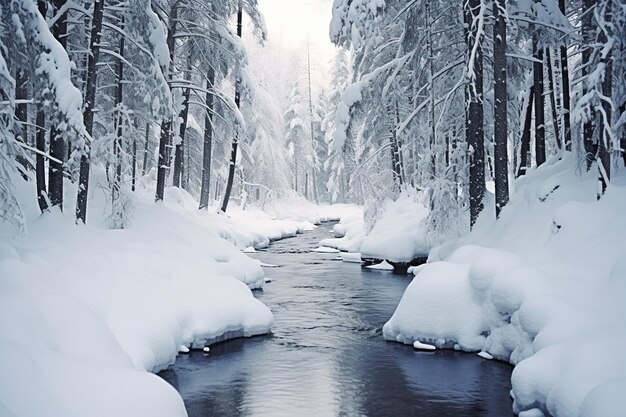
(555, 118)
(604, 139)
(540, 128)
(233, 152)
(525, 145)
(622, 110)
(40, 140)
(146, 150)
(134, 161)
(401, 172)
(165, 139)
(88, 113)
(57, 142)
(474, 116)
(587, 32)
(208, 141)
(501, 159)
(179, 158)
(567, 127)
(42, 191)
(117, 143)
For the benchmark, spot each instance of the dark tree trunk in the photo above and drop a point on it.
(208, 141)
(40, 140)
(399, 146)
(146, 151)
(117, 144)
(622, 110)
(474, 118)
(134, 161)
(57, 142)
(40, 137)
(501, 159)
(567, 126)
(555, 118)
(540, 128)
(179, 157)
(604, 139)
(233, 151)
(393, 145)
(587, 32)
(163, 166)
(90, 101)
(525, 145)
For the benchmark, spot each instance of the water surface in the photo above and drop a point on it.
(327, 356)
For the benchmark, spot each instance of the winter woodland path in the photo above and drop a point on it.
(327, 355)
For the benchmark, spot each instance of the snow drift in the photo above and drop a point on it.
(544, 288)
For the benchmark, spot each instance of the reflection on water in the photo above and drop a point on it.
(327, 356)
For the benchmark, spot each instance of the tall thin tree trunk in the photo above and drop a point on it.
(145, 151)
(604, 139)
(555, 118)
(587, 32)
(567, 126)
(540, 128)
(165, 139)
(134, 161)
(57, 142)
(401, 172)
(622, 110)
(474, 115)
(525, 145)
(208, 141)
(501, 159)
(90, 101)
(233, 151)
(40, 139)
(117, 143)
(179, 165)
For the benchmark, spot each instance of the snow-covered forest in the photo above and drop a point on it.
(151, 152)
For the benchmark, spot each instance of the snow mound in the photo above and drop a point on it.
(544, 288)
(399, 235)
(85, 312)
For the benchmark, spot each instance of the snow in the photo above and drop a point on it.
(325, 249)
(349, 233)
(87, 313)
(485, 355)
(399, 235)
(544, 288)
(423, 346)
(383, 266)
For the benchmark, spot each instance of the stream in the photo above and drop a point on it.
(327, 356)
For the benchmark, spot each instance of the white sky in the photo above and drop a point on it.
(290, 22)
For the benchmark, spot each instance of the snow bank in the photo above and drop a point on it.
(399, 235)
(86, 311)
(544, 288)
(349, 233)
